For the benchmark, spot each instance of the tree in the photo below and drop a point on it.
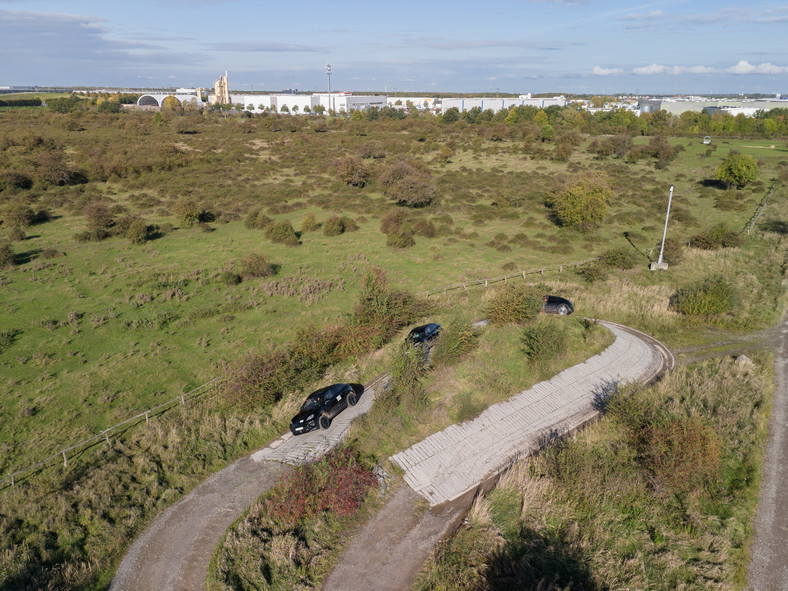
(284, 109)
(451, 115)
(737, 170)
(582, 203)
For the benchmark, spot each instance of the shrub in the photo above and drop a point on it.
(713, 295)
(408, 184)
(229, 278)
(457, 339)
(402, 238)
(718, 236)
(96, 235)
(544, 339)
(18, 215)
(309, 224)
(425, 228)
(349, 224)
(673, 252)
(138, 231)
(51, 253)
(7, 338)
(6, 255)
(258, 379)
(620, 258)
(683, 453)
(257, 220)
(392, 221)
(592, 272)
(333, 226)
(335, 484)
(282, 233)
(514, 303)
(98, 216)
(581, 203)
(255, 265)
(352, 171)
(17, 234)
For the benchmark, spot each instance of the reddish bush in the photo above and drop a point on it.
(683, 453)
(335, 484)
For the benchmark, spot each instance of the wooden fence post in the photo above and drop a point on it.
(106, 437)
(146, 416)
(65, 460)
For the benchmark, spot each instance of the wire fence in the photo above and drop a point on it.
(751, 223)
(14, 477)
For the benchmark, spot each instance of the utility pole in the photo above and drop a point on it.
(328, 73)
(659, 264)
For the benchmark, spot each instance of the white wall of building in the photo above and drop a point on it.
(499, 104)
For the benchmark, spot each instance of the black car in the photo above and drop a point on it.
(323, 405)
(556, 305)
(423, 334)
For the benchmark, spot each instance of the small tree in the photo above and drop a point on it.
(582, 203)
(737, 170)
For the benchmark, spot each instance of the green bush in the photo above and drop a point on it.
(6, 255)
(514, 303)
(718, 236)
(592, 272)
(544, 339)
(17, 234)
(333, 226)
(255, 265)
(349, 224)
(673, 252)
(309, 223)
(257, 220)
(138, 231)
(282, 233)
(425, 228)
(7, 338)
(621, 258)
(737, 170)
(229, 278)
(456, 340)
(712, 296)
(402, 238)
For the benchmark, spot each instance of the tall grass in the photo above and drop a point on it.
(599, 512)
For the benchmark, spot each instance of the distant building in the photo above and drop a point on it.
(183, 95)
(221, 91)
(500, 104)
(679, 105)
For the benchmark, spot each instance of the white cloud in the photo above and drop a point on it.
(655, 69)
(744, 67)
(599, 71)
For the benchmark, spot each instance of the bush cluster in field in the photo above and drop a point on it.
(659, 494)
(283, 540)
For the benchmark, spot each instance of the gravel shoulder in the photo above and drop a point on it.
(768, 570)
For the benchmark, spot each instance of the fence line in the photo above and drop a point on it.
(751, 223)
(105, 434)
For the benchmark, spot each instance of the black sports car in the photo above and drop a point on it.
(556, 305)
(423, 334)
(323, 405)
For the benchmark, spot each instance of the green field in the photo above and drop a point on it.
(97, 331)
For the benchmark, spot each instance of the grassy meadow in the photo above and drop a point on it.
(94, 331)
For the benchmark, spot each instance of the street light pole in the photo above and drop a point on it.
(659, 264)
(328, 73)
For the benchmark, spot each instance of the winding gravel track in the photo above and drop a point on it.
(173, 553)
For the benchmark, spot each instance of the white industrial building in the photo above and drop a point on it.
(183, 95)
(500, 104)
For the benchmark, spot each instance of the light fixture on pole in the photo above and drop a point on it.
(659, 264)
(328, 73)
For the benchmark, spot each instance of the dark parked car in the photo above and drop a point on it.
(323, 405)
(556, 305)
(423, 334)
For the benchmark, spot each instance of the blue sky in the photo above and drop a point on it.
(568, 46)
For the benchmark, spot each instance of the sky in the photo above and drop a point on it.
(507, 46)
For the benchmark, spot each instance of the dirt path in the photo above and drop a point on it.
(768, 569)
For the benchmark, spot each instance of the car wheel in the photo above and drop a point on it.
(563, 310)
(352, 399)
(324, 422)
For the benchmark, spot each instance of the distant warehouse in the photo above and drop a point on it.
(501, 104)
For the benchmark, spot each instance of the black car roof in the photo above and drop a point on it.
(332, 387)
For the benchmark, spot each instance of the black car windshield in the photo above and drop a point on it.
(311, 403)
